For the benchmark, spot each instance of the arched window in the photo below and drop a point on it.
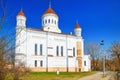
(73, 51)
(35, 49)
(57, 50)
(45, 21)
(84, 63)
(52, 20)
(61, 50)
(41, 63)
(48, 20)
(55, 21)
(41, 49)
(35, 63)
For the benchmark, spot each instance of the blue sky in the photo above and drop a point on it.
(99, 19)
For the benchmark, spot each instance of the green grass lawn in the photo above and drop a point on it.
(54, 76)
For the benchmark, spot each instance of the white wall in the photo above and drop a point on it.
(87, 59)
(52, 40)
(39, 37)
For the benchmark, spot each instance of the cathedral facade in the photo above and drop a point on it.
(48, 49)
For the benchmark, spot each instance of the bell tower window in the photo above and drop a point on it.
(55, 22)
(52, 20)
(45, 21)
(48, 20)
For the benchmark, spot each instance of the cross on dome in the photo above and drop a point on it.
(49, 10)
(50, 4)
(77, 25)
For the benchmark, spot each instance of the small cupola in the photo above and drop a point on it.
(77, 25)
(21, 19)
(77, 29)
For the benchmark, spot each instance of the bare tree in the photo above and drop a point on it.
(115, 54)
(2, 60)
(2, 42)
(94, 50)
(3, 12)
(7, 47)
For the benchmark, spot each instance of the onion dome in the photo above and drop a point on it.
(21, 13)
(49, 10)
(77, 25)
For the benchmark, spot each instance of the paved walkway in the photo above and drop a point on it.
(98, 76)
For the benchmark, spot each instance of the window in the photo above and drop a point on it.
(35, 63)
(35, 49)
(41, 49)
(41, 63)
(48, 20)
(52, 20)
(61, 50)
(84, 63)
(57, 50)
(73, 51)
(55, 22)
(45, 21)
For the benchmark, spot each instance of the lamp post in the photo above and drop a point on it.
(102, 44)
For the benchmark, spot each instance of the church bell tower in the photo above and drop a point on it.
(50, 21)
(77, 29)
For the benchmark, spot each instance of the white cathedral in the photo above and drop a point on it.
(48, 49)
